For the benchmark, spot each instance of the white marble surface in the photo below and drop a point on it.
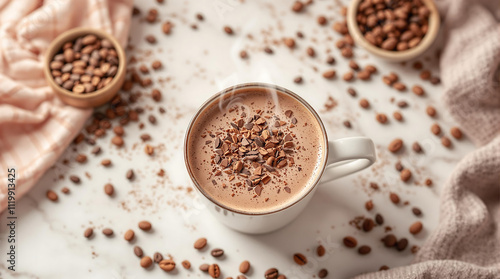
(197, 64)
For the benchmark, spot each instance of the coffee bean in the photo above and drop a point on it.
(323, 273)
(186, 264)
(418, 90)
(310, 51)
(368, 225)
(389, 240)
(384, 267)
(322, 20)
(129, 235)
(130, 174)
(347, 124)
(297, 6)
(145, 225)
(402, 104)
(395, 145)
(204, 267)
(398, 116)
(369, 205)
(118, 130)
(435, 129)
(399, 167)
(109, 189)
(146, 262)
(118, 141)
(416, 211)
(298, 80)
(151, 39)
(243, 54)
(217, 252)
(425, 74)
(228, 30)
(81, 158)
(456, 132)
(65, 190)
(365, 249)
(107, 232)
(428, 182)
(350, 242)
(167, 265)
(401, 244)
(351, 92)
(399, 86)
(349, 76)
(290, 42)
(405, 175)
(330, 74)
(268, 50)
(416, 227)
(435, 80)
(320, 251)
(158, 257)
(138, 251)
(300, 259)
(244, 267)
(379, 219)
(88, 232)
(271, 273)
(353, 65)
(214, 270)
(416, 147)
(167, 27)
(106, 162)
(364, 103)
(381, 118)
(200, 243)
(394, 198)
(330, 60)
(152, 119)
(51, 195)
(156, 64)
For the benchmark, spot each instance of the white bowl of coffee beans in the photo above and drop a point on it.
(394, 30)
(85, 67)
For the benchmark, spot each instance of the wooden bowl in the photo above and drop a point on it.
(394, 56)
(98, 97)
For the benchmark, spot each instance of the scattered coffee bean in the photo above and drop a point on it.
(435, 80)
(368, 225)
(228, 30)
(88, 232)
(405, 175)
(435, 129)
(130, 174)
(299, 259)
(446, 141)
(118, 141)
(349, 76)
(145, 225)
(156, 95)
(395, 145)
(347, 124)
(350, 242)
(456, 132)
(146, 262)
(323, 273)
(297, 6)
(416, 147)
(320, 251)
(369, 205)
(109, 189)
(398, 116)
(322, 20)
(204, 267)
(381, 118)
(351, 92)
(200, 243)
(399, 167)
(399, 86)
(402, 244)
(51, 195)
(290, 42)
(425, 74)
(330, 74)
(384, 267)
(151, 39)
(167, 265)
(167, 27)
(365, 249)
(389, 240)
(416, 227)
(268, 50)
(138, 251)
(106, 162)
(428, 182)
(129, 235)
(298, 80)
(107, 232)
(379, 219)
(416, 211)
(364, 103)
(418, 90)
(186, 264)
(271, 273)
(330, 60)
(156, 65)
(65, 190)
(402, 104)
(217, 252)
(244, 267)
(417, 65)
(81, 158)
(152, 119)
(394, 198)
(158, 257)
(214, 270)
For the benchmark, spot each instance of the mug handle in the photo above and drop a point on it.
(348, 155)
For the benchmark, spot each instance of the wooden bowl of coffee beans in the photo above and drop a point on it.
(85, 67)
(394, 30)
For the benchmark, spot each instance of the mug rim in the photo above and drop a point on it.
(265, 86)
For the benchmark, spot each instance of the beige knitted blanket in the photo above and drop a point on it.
(466, 243)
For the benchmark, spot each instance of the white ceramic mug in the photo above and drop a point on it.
(341, 157)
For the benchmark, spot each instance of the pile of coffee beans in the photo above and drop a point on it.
(85, 64)
(393, 25)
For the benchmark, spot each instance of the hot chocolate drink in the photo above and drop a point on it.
(254, 150)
